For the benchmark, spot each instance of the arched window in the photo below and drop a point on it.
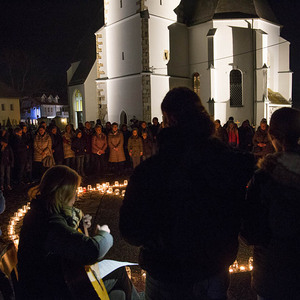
(78, 100)
(123, 117)
(196, 83)
(236, 89)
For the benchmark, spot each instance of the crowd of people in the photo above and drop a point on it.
(26, 153)
(185, 207)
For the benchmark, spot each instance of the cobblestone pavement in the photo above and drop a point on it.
(108, 213)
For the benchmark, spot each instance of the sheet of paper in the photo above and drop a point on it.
(107, 266)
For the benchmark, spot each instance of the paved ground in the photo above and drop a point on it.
(108, 208)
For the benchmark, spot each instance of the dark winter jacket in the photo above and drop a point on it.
(147, 147)
(246, 136)
(20, 149)
(57, 147)
(182, 207)
(135, 145)
(262, 136)
(87, 134)
(272, 225)
(221, 134)
(28, 140)
(79, 146)
(46, 241)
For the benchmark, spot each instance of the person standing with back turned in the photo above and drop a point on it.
(182, 206)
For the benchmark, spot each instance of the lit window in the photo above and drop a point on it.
(236, 90)
(78, 100)
(196, 83)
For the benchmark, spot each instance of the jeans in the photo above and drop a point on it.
(70, 161)
(214, 288)
(79, 164)
(5, 170)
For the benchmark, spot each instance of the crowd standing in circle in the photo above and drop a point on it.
(188, 199)
(27, 152)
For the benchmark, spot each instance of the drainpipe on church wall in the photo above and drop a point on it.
(254, 74)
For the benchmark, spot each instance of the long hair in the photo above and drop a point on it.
(285, 127)
(184, 110)
(57, 188)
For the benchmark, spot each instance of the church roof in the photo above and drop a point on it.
(82, 71)
(192, 12)
(277, 98)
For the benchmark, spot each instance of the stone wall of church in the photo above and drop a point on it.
(146, 96)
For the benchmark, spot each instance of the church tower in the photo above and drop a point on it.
(231, 53)
(132, 54)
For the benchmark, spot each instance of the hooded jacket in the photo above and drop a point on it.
(272, 224)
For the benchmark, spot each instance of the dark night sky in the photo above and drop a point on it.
(50, 31)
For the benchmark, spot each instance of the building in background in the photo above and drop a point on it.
(230, 52)
(44, 108)
(9, 106)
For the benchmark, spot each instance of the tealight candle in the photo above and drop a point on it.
(117, 183)
(110, 190)
(89, 187)
(107, 184)
(125, 182)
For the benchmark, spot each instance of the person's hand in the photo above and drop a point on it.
(87, 221)
(103, 228)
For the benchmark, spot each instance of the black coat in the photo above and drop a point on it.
(45, 242)
(57, 146)
(271, 223)
(20, 149)
(182, 207)
(79, 146)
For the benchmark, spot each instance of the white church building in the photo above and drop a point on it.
(229, 51)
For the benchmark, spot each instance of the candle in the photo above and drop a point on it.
(110, 190)
(125, 182)
(123, 193)
(98, 186)
(117, 183)
(89, 187)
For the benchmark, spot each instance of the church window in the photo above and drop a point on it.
(161, 2)
(236, 89)
(210, 47)
(196, 83)
(78, 100)
(123, 56)
(11, 107)
(3, 107)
